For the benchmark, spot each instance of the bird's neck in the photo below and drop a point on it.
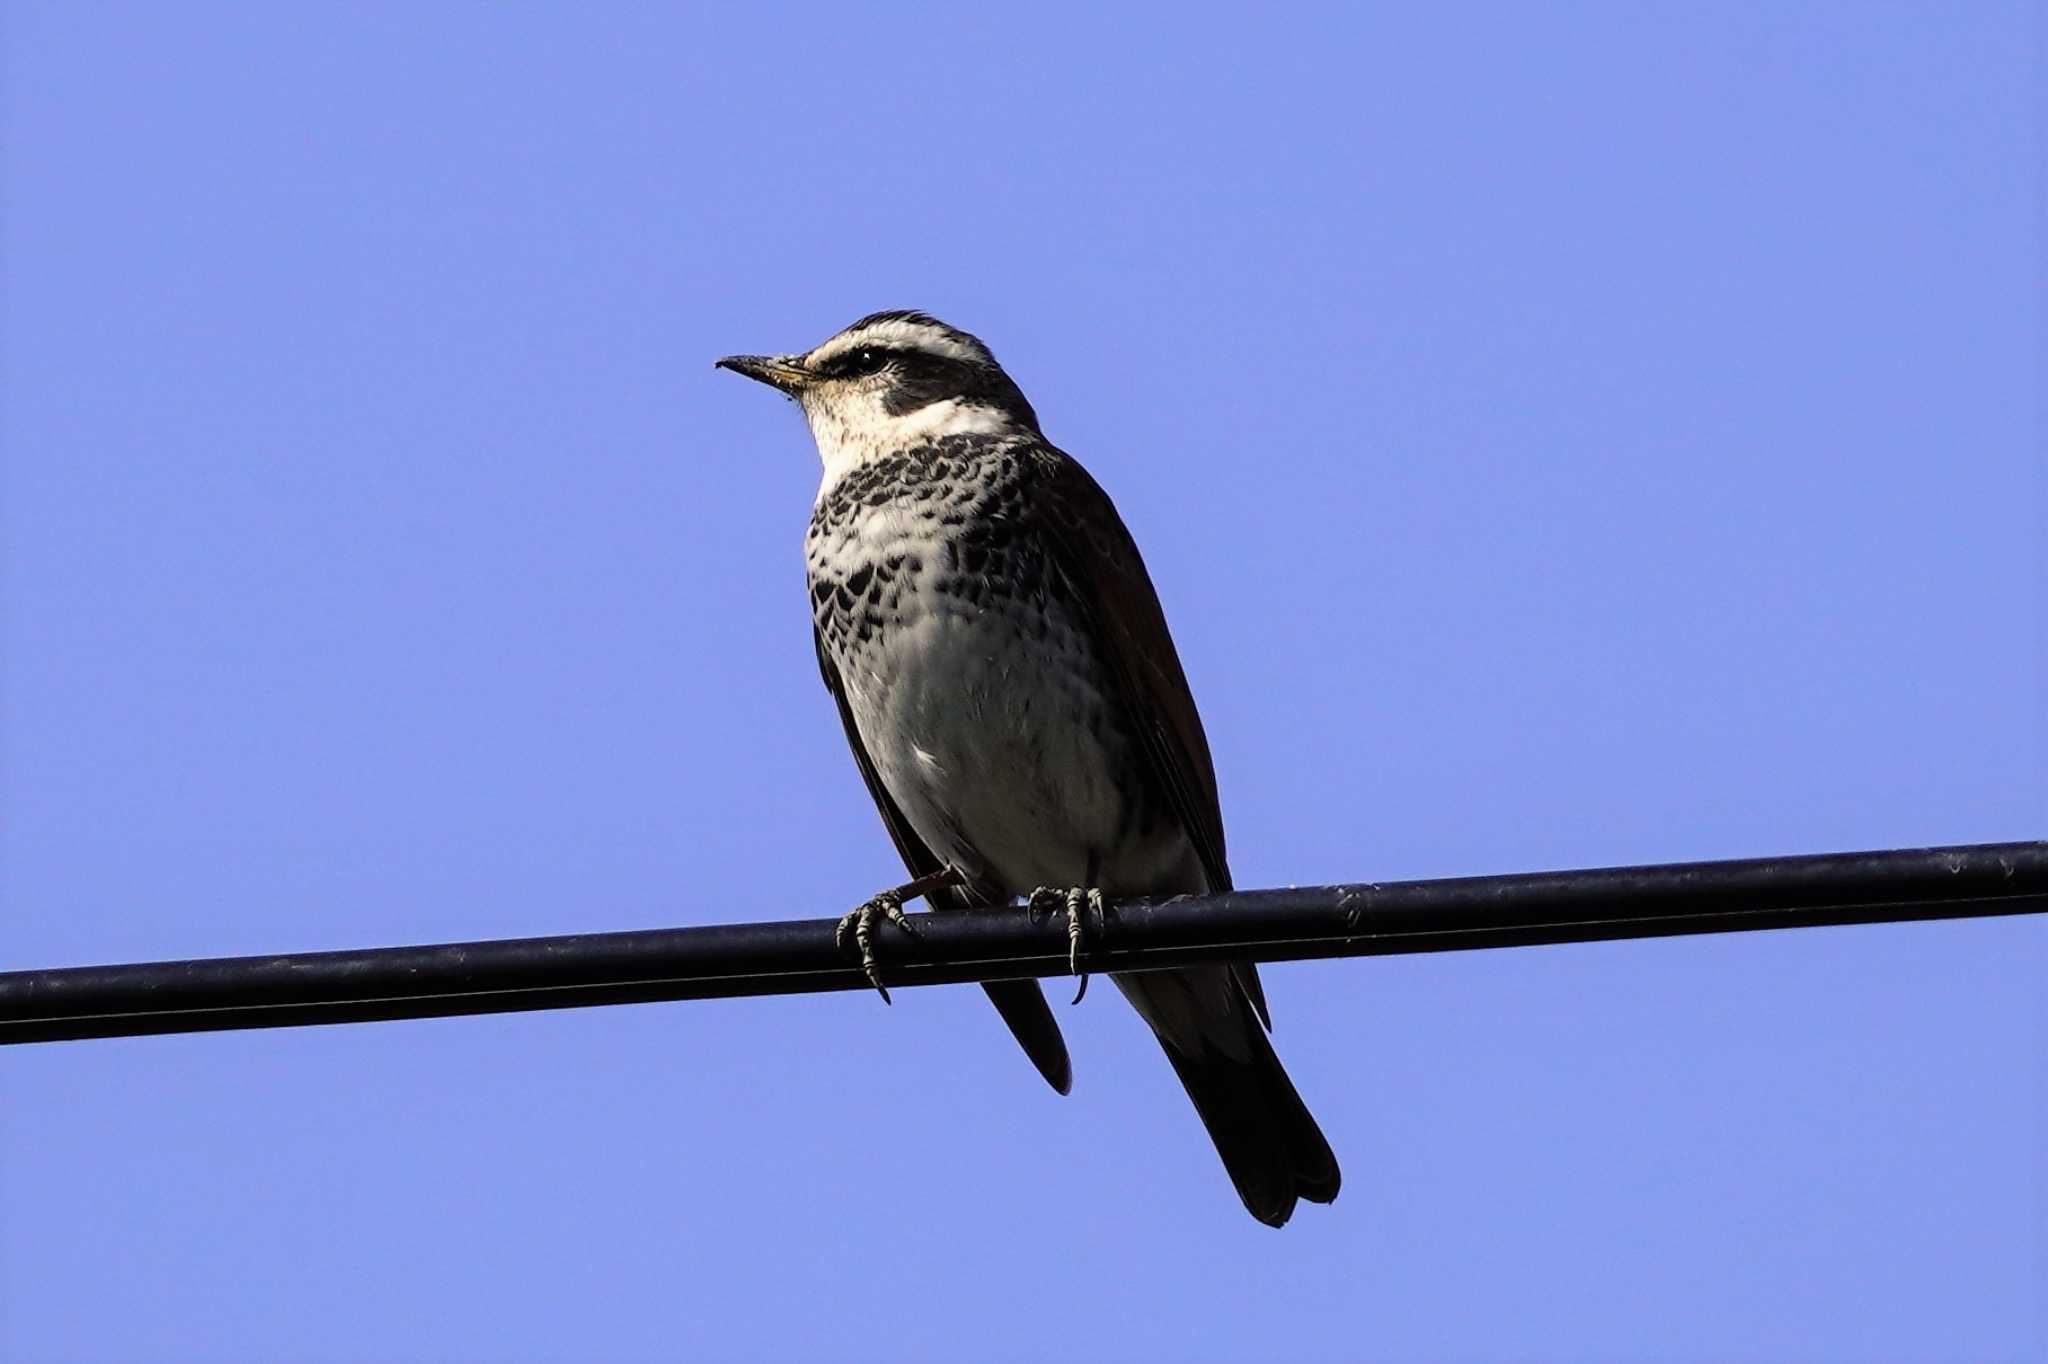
(847, 442)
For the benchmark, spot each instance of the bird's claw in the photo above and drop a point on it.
(1072, 902)
(860, 922)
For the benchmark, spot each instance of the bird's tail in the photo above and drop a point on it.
(1022, 1005)
(1020, 1002)
(1268, 1140)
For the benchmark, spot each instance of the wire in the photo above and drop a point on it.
(795, 957)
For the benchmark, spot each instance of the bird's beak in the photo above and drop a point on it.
(785, 372)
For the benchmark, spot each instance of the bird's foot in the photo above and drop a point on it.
(859, 922)
(1072, 902)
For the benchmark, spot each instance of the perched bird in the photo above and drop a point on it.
(1007, 683)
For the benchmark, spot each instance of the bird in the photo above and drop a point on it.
(1005, 679)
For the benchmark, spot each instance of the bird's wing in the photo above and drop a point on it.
(1020, 1002)
(1268, 1140)
(1100, 561)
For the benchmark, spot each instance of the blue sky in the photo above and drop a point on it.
(1562, 436)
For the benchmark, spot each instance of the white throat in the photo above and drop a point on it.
(848, 439)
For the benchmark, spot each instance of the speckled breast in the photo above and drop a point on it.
(978, 697)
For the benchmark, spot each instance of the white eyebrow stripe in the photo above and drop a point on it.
(899, 332)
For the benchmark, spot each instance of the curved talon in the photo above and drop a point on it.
(1075, 899)
(861, 921)
(1072, 902)
(893, 911)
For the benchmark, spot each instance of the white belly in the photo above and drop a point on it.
(1003, 753)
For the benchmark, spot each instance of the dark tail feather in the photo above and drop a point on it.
(1022, 1005)
(1269, 1142)
(1020, 1002)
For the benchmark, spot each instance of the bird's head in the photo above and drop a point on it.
(890, 381)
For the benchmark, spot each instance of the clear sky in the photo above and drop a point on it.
(1561, 435)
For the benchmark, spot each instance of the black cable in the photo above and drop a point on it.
(799, 956)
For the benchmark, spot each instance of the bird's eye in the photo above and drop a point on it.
(854, 364)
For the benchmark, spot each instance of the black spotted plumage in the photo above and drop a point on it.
(962, 492)
(1014, 702)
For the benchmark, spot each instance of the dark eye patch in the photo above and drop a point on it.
(861, 360)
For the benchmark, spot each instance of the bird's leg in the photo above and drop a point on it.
(1071, 901)
(860, 920)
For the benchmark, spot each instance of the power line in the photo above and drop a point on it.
(799, 956)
